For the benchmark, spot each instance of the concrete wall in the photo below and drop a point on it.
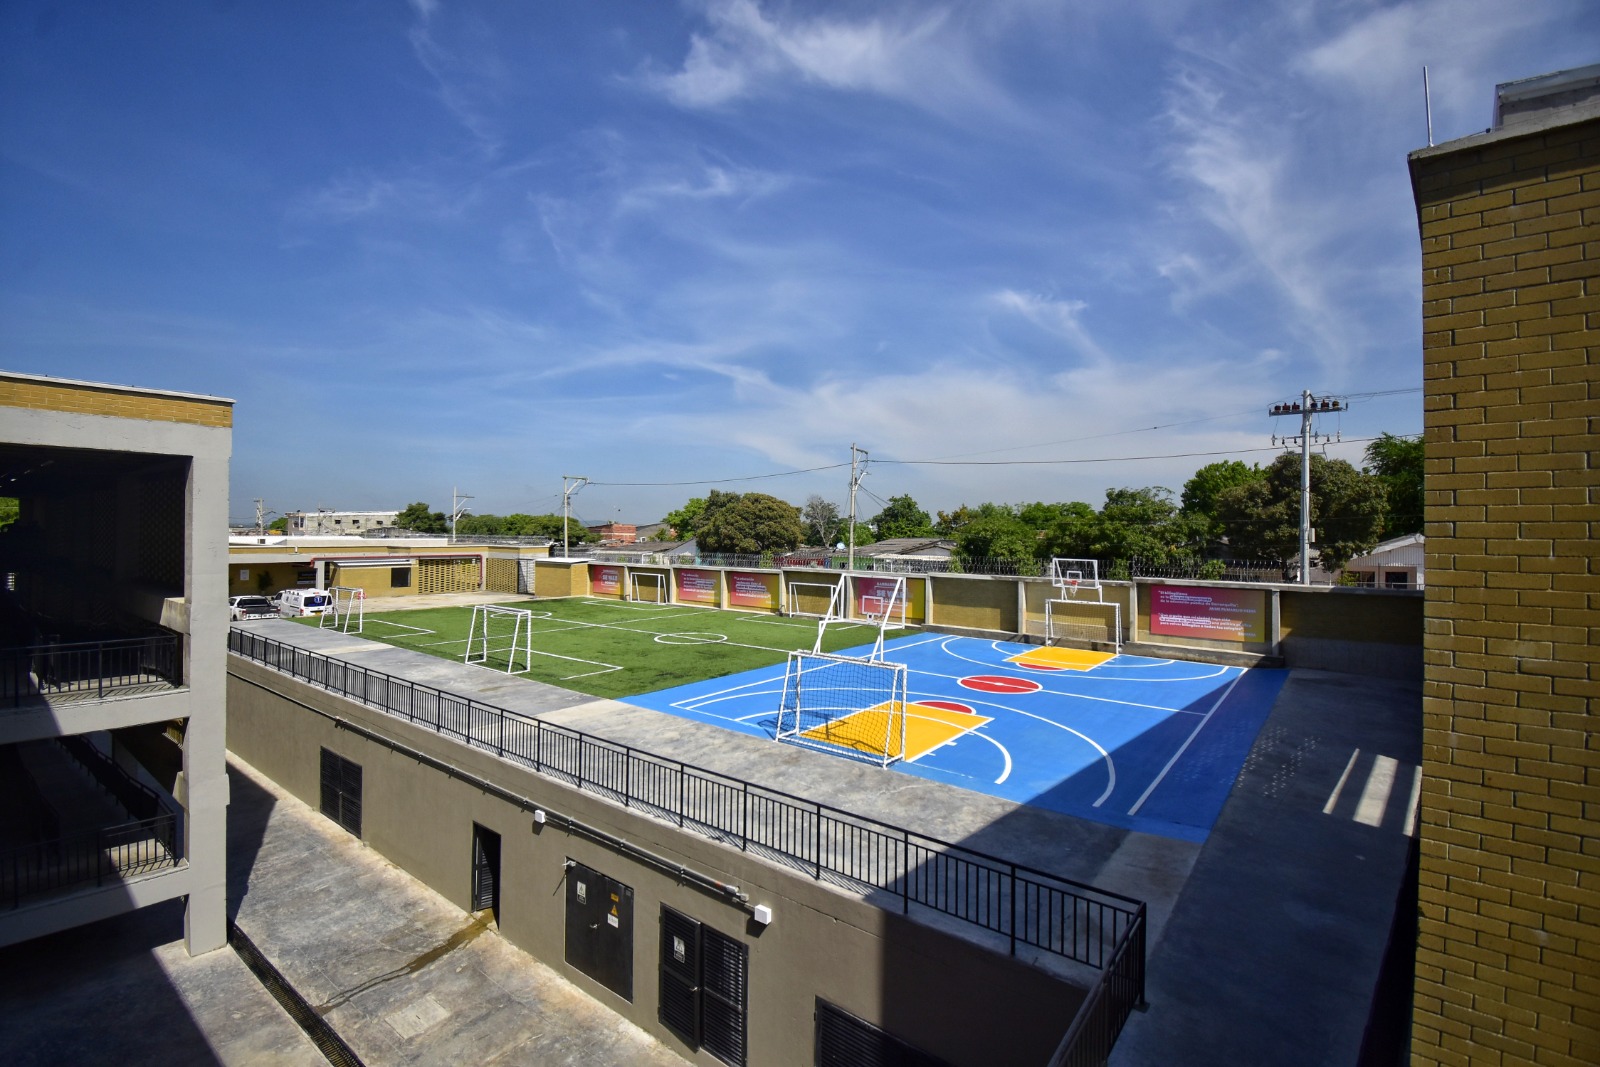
(874, 963)
(171, 569)
(1508, 959)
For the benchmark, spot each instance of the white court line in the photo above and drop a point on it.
(1201, 725)
(1375, 794)
(400, 626)
(1338, 787)
(1416, 799)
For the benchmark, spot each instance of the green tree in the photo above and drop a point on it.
(1042, 516)
(685, 520)
(1262, 518)
(1201, 491)
(752, 524)
(279, 524)
(10, 508)
(419, 519)
(519, 524)
(481, 525)
(1398, 463)
(901, 517)
(997, 535)
(821, 518)
(864, 534)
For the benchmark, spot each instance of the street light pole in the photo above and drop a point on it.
(1307, 406)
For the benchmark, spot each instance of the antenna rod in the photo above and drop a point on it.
(1427, 103)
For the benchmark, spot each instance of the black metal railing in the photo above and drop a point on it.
(1100, 1018)
(88, 668)
(136, 798)
(89, 857)
(1025, 907)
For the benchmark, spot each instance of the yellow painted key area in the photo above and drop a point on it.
(1066, 659)
(927, 728)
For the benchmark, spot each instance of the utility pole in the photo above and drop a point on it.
(570, 484)
(261, 516)
(856, 474)
(458, 508)
(1307, 406)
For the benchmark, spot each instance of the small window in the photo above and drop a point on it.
(341, 791)
(1397, 579)
(399, 577)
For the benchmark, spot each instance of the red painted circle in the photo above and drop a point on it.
(999, 683)
(947, 705)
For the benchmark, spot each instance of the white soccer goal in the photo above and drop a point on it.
(849, 706)
(816, 600)
(346, 610)
(1079, 610)
(647, 588)
(500, 638)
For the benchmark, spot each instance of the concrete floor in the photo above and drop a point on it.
(1265, 945)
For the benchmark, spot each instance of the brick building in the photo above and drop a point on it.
(1508, 958)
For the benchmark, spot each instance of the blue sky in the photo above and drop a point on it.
(437, 244)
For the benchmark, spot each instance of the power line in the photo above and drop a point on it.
(724, 481)
(1097, 459)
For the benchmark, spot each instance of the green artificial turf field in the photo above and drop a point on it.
(613, 648)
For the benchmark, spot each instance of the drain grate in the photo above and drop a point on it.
(329, 1043)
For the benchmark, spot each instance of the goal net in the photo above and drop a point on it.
(500, 639)
(346, 610)
(1079, 611)
(647, 588)
(845, 705)
(816, 600)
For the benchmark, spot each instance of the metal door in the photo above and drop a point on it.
(485, 870)
(600, 928)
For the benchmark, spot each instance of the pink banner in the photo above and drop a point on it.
(605, 581)
(873, 594)
(696, 587)
(1208, 612)
(753, 591)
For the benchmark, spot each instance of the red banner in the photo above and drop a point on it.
(696, 587)
(1208, 612)
(605, 581)
(753, 590)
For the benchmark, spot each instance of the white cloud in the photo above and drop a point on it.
(919, 56)
(1060, 317)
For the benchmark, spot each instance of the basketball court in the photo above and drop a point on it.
(1146, 744)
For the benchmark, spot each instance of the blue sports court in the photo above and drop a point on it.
(1152, 745)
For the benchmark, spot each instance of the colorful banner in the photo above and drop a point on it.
(876, 591)
(605, 581)
(696, 587)
(758, 591)
(1208, 612)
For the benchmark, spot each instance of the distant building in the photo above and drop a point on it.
(1394, 564)
(615, 533)
(337, 523)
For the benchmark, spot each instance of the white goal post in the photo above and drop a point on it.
(500, 638)
(810, 592)
(346, 609)
(1079, 610)
(647, 587)
(846, 705)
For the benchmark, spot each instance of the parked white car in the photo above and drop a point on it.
(251, 607)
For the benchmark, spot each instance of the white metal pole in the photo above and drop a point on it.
(1305, 488)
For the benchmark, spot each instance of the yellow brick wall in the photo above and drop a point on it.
(90, 399)
(1508, 957)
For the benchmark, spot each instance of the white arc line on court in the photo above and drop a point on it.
(1201, 725)
(1111, 767)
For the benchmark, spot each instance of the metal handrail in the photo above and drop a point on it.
(87, 857)
(1028, 907)
(87, 667)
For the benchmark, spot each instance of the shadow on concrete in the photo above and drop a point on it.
(249, 808)
(96, 995)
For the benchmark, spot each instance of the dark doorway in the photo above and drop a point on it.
(341, 791)
(485, 870)
(600, 928)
